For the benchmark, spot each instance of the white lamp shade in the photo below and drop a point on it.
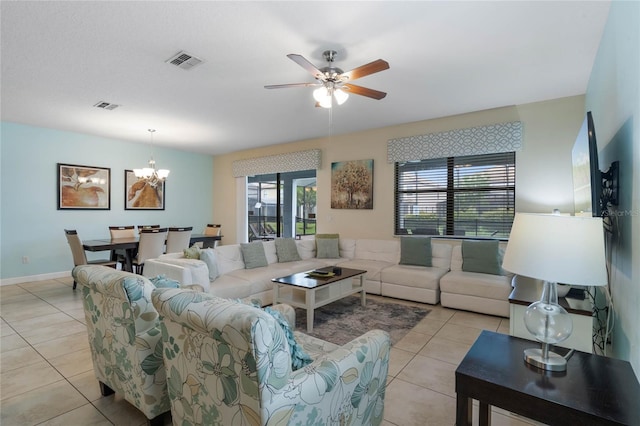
(341, 96)
(561, 249)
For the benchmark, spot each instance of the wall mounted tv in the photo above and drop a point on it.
(587, 178)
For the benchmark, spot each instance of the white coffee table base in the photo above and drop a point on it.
(312, 298)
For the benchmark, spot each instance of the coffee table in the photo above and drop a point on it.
(303, 291)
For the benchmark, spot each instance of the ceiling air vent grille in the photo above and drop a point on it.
(184, 60)
(106, 105)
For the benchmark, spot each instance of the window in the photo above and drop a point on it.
(469, 195)
(281, 205)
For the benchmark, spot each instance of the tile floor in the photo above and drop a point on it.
(46, 375)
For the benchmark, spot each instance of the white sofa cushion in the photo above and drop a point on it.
(306, 249)
(476, 284)
(413, 276)
(229, 258)
(198, 269)
(270, 251)
(380, 250)
(441, 255)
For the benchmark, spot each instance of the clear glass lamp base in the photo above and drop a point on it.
(553, 361)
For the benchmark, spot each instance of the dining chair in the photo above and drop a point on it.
(128, 231)
(178, 239)
(141, 227)
(215, 230)
(151, 245)
(79, 256)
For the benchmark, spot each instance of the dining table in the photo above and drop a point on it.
(130, 245)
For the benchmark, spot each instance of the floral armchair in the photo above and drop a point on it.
(229, 363)
(124, 337)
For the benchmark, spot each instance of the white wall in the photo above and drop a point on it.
(543, 180)
(613, 96)
(31, 225)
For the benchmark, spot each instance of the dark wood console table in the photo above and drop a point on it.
(595, 390)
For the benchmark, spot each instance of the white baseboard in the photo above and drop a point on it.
(32, 278)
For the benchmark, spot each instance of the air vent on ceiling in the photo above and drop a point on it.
(184, 60)
(106, 105)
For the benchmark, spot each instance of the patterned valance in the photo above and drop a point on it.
(502, 137)
(289, 162)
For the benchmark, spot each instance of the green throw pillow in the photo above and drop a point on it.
(327, 248)
(253, 255)
(192, 252)
(481, 256)
(163, 282)
(415, 251)
(208, 256)
(287, 250)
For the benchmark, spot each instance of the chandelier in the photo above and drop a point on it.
(150, 174)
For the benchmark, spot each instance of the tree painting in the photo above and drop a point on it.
(352, 184)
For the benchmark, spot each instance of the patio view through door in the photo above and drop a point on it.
(281, 205)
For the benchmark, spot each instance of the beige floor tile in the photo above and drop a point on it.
(85, 415)
(11, 290)
(77, 314)
(504, 326)
(471, 319)
(445, 350)
(24, 379)
(87, 384)
(23, 297)
(38, 286)
(440, 313)
(63, 345)
(41, 404)
(29, 324)
(54, 331)
(409, 405)
(11, 342)
(429, 326)
(22, 357)
(6, 329)
(430, 373)
(398, 359)
(413, 342)
(119, 411)
(21, 311)
(74, 363)
(459, 333)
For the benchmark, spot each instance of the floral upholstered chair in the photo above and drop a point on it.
(229, 363)
(125, 337)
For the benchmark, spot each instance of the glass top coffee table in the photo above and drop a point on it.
(309, 292)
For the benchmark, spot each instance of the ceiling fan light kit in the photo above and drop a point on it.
(333, 83)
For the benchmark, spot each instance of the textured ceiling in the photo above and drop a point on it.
(59, 58)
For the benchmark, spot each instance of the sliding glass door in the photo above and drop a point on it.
(281, 205)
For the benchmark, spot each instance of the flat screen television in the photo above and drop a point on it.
(587, 179)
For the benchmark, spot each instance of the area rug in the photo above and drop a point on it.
(341, 321)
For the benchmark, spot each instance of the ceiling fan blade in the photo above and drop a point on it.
(284, 86)
(366, 69)
(364, 91)
(300, 60)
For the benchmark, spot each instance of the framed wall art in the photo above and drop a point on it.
(83, 187)
(140, 195)
(352, 184)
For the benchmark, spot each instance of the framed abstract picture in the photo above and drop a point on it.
(83, 187)
(140, 195)
(352, 184)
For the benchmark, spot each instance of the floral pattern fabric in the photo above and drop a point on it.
(230, 364)
(124, 336)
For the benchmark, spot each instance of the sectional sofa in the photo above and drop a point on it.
(390, 270)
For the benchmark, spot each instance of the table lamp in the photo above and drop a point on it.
(554, 249)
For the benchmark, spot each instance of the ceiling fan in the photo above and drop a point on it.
(332, 82)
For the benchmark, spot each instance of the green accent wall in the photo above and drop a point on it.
(30, 224)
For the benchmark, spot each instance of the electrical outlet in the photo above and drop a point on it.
(25, 259)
